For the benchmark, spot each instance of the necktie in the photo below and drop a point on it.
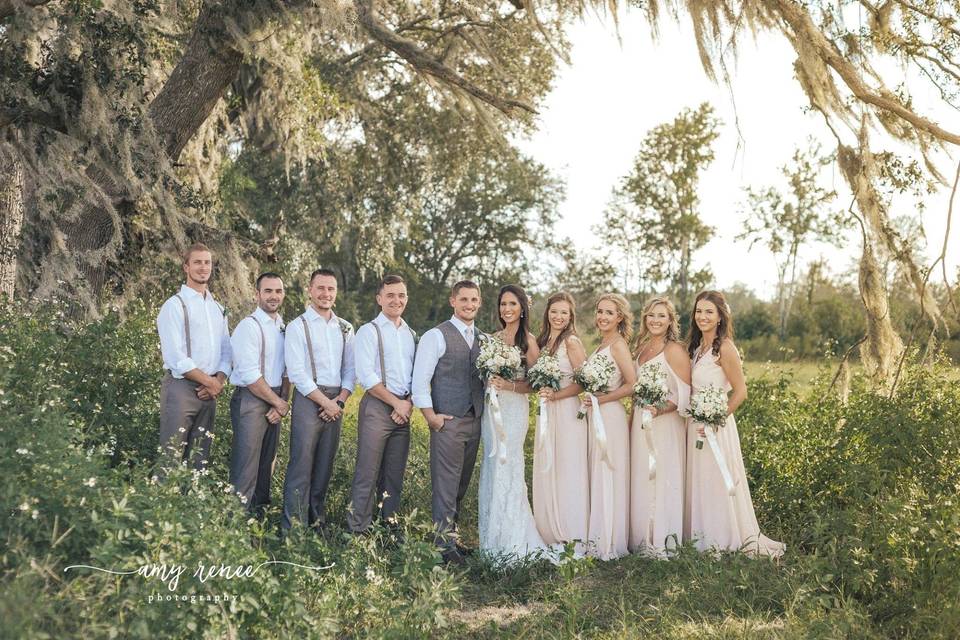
(468, 334)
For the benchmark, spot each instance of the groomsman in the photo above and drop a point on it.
(260, 398)
(448, 390)
(195, 345)
(385, 349)
(319, 356)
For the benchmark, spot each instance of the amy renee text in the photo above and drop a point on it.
(170, 574)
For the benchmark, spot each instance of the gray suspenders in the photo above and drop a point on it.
(186, 323)
(186, 327)
(383, 368)
(313, 362)
(263, 347)
(306, 334)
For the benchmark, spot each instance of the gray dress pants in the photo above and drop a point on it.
(186, 421)
(453, 454)
(382, 449)
(254, 450)
(313, 447)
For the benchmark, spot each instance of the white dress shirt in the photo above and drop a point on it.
(246, 342)
(209, 334)
(431, 348)
(398, 352)
(328, 339)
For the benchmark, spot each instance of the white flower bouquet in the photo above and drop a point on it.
(594, 376)
(708, 406)
(497, 358)
(545, 373)
(650, 389)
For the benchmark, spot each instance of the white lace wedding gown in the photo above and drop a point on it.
(508, 531)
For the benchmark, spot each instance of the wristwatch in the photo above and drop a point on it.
(340, 403)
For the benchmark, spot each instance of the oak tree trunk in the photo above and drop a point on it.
(11, 219)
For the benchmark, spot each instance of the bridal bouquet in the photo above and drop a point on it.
(708, 406)
(497, 358)
(650, 389)
(545, 373)
(594, 376)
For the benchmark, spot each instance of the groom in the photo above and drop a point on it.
(448, 390)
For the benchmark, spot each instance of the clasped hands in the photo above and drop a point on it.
(402, 410)
(211, 388)
(277, 411)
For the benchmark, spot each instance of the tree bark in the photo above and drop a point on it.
(204, 73)
(201, 77)
(11, 219)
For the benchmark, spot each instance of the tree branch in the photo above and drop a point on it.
(804, 28)
(426, 63)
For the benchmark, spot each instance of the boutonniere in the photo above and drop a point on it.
(345, 327)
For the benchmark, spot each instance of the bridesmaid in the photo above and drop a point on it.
(608, 529)
(656, 506)
(561, 482)
(715, 519)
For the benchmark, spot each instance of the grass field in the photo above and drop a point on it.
(861, 489)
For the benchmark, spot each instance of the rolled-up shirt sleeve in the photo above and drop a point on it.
(245, 344)
(226, 350)
(429, 351)
(295, 356)
(348, 368)
(365, 356)
(173, 341)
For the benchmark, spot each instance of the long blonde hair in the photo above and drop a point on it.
(673, 329)
(625, 326)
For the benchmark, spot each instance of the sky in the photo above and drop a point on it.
(603, 103)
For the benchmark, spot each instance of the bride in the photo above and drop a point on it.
(507, 528)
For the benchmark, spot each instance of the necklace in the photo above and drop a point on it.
(646, 348)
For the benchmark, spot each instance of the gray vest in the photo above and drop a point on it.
(456, 385)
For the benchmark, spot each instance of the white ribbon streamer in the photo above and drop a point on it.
(599, 430)
(721, 460)
(646, 425)
(500, 435)
(544, 436)
(606, 473)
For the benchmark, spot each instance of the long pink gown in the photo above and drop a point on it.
(656, 505)
(609, 483)
(561, 473)
(717, 520)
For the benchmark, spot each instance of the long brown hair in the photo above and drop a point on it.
(625, 326)
(673, 329)
(569, 330)
(520, 340)
(724, 329)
